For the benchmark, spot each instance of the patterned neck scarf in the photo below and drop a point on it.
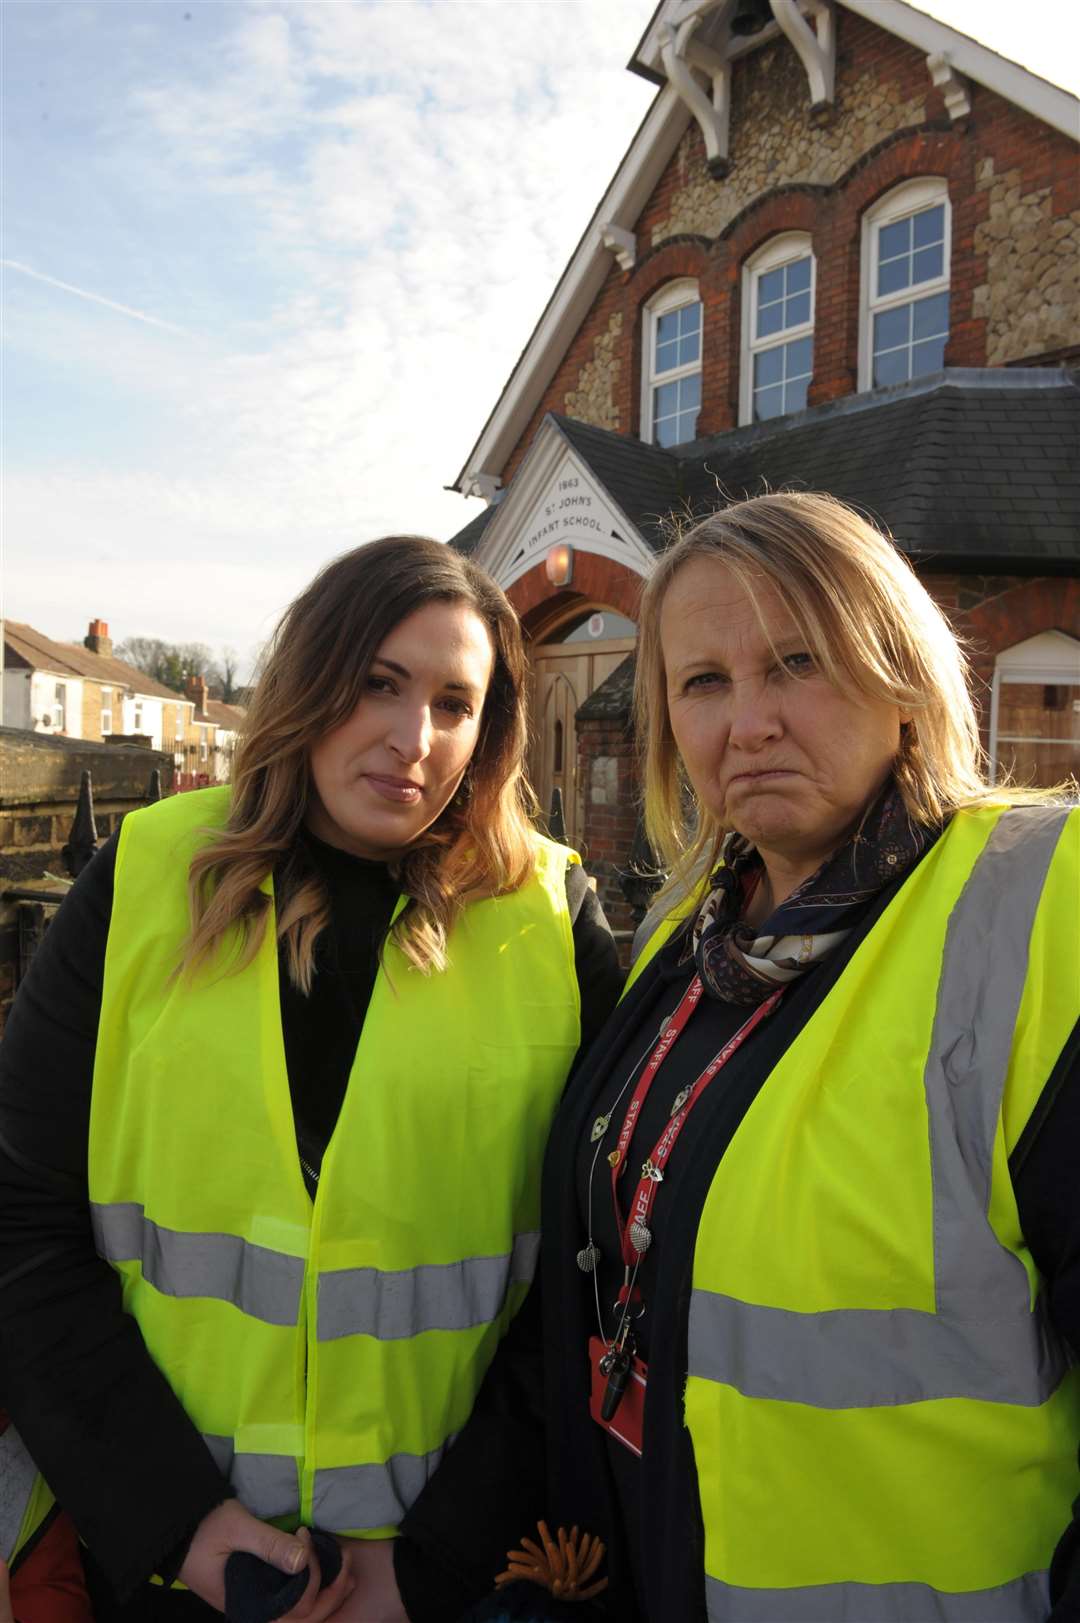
(739, 965)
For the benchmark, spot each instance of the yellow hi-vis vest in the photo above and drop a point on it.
(329, 1351)
(884, 1423)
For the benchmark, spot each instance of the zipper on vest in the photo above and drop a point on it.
(310, 1170)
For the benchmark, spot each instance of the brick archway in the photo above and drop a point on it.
(596, 581)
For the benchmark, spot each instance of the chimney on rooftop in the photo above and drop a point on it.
(97, 639)
(198, 693)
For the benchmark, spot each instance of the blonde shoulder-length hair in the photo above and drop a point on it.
(312, 679)
(871, 627)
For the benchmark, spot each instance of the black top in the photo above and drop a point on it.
(113, 1441)
(647, 1510)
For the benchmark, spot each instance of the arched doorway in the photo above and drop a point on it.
(570, 659)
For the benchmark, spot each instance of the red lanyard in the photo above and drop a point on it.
(635, 1235)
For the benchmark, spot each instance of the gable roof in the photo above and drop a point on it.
(646, 482)
(966, 469)
(644, 163)
(41, 653)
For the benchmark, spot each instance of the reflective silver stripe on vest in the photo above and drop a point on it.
(363, 1496)
(1027, 1600)
(983, 971)
(262, 1283)
(266, 1484)
(17, 1477)
(866, 1358)
(346, 1496)
(450, 1296)
(984, 1341)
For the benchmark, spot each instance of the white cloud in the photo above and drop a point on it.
(414, 179)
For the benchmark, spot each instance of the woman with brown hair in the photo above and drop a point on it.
(272, 1106)
(811, 1259)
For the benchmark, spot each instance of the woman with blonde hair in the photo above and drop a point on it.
(273, 1101)
(811, 1260)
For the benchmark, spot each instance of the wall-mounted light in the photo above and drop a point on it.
(559, 565)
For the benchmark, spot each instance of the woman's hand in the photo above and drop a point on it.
(376, 1598)
(229, 1528)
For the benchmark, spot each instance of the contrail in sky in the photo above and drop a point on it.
(95, 298)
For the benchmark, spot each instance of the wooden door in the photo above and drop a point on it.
(560, 688)
(564, 675)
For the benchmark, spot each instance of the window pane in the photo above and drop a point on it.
(768, 366)
(797, 310)
(892, 367)
(665, 400)
(893, 276)
(930, 317)
(689, 348)
(891, 328)
(667, 431)
(667, 356)
(770, 319)
(928, 357)
(798, 276)
(667, 328)
(799, 358)
(929, 226)
(770, 286)
(689, 319)
(795, 394)
(768, 403)
(690, 393)
(687, 426)
(894, 239)
(928, 263)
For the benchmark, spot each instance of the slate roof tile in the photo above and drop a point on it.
(919, 464)
(974, 470)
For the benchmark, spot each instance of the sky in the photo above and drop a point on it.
(266, 267)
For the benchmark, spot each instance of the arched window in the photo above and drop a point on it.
(1035, 710)
(777, 328)
(671, 365)
(906, 248)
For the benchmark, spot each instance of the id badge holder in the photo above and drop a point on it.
(627, 1424)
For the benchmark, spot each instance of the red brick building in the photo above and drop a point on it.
(841, 253)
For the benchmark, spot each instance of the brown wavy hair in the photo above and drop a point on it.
(312, 678)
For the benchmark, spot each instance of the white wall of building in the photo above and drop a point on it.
(142, 716)
(55, 704)
(16, 698)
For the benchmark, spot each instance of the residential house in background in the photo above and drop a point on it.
(216, 725)
(842, 253)
(77, 690)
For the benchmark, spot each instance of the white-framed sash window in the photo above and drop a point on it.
(778, 329)
(671, 365)
(907, 244)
